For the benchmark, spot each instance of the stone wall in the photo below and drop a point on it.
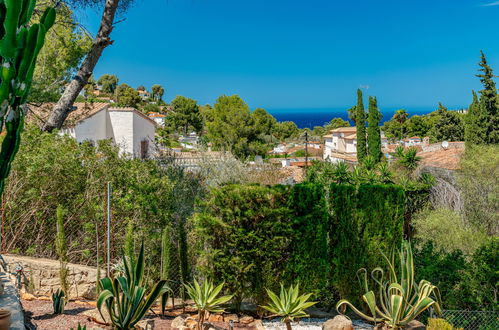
(42, 276)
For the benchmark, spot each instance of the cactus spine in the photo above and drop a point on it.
(20, 45)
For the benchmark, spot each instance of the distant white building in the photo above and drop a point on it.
(159, 118)
(341, 145)
(128, 128)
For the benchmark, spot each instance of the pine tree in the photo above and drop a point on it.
(373, 130)
(475, 132)
(360, 122)
(488, 101)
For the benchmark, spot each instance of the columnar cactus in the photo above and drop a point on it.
(20, 44)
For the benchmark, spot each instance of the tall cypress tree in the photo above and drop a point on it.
(488, 101)
(475, 130)
(373, 130)
(360, 123)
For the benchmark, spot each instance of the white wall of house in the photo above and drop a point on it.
(351, 146)
(122, 129)
(92, 128)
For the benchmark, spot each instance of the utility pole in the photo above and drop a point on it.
(306, 151)
(108, 228)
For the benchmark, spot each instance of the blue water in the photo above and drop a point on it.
(319, 116)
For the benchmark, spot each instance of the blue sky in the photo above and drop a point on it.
(305, 54)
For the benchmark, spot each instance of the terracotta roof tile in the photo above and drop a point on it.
(448, 159)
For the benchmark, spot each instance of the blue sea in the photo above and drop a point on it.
(311, 117)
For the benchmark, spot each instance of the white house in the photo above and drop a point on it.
(128, 128)
(341, 145)
(159, 118)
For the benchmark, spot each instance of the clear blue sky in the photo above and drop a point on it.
(305, 54)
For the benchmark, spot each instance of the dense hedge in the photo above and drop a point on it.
(253, 237)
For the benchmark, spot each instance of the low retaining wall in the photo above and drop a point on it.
(42, 276)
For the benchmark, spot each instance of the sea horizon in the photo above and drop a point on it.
(311, 117)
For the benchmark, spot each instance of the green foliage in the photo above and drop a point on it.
(400, 298)
(289, 305)
(80, 327)
(129, 245)
(368, 217)
(264, 121)
(58, 301)
(488, 102)
(477, 180)
(62, 249)
(254, 237)
(407, 158)
(360, 123)
(66, 45)
(466, 282)
(439, 324)
(449, 127)
(448, 230)
(185, 115)
(475, 132)
(286, 130)
(309, 262)
(157, 93)
(127, 96)
(108, 83)
(20, 45)
(234, 230)
(373, 130)
(231, 126)
(125, 297)
(52, 170)
(205, 297)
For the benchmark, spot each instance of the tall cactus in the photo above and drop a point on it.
(20, 44)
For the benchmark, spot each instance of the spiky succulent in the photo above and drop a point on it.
(400, 299)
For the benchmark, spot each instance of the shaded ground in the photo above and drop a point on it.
(38, 315)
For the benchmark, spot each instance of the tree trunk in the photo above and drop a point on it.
(288, 325)
(101, 41)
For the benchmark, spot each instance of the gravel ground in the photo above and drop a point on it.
(38, 315)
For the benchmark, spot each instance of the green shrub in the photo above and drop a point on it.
(439, 324)
(254, 237)
(448, 231)
(244, 234)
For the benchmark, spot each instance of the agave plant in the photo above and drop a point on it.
(58, 301)
(205, 299)
(400, 300)
(289, 305)
(125, 296)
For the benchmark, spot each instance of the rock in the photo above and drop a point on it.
(27, 296)
(178, 322)
(191, 323)
(257, 324)
(216, 318)
(339, 322)
(415, 325)
(231, 317)
(44, 298)
(94, 315)
(246, 319)
(146, 324)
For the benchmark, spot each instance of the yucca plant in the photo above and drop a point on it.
(400, 300)
(289, 304)
(205, 299)
(125, 296)
(58, 301)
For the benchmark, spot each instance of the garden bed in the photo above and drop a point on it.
(38, 315)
